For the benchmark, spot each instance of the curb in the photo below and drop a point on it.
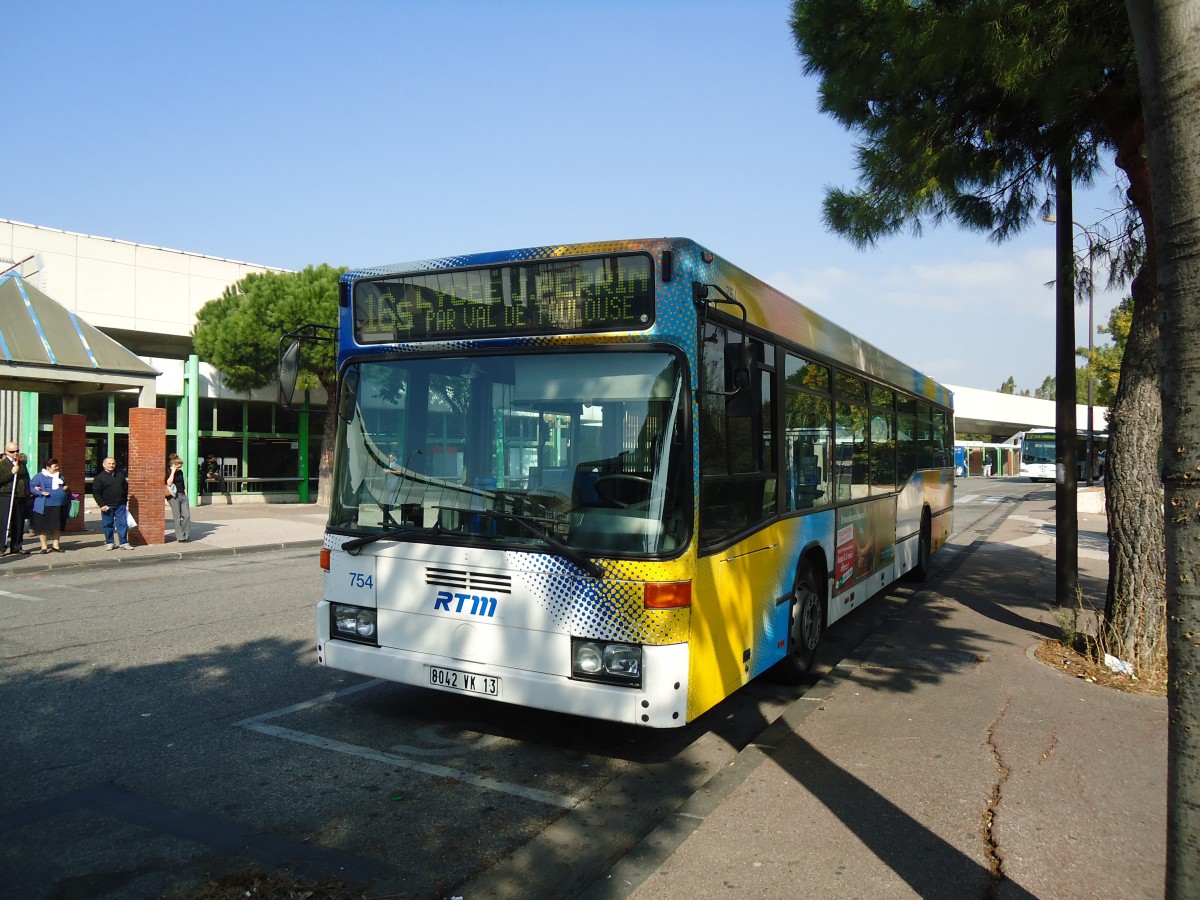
(146, 559)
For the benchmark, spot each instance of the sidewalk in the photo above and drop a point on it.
(216, 529)
(944, 761)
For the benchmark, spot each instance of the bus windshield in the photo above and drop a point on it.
(1038, 449)
(586, 450)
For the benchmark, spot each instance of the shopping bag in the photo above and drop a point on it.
(130, 521)
(73, 510)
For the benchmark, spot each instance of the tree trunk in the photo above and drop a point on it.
(1136, 602)
(1135, 608)
(1165, 34)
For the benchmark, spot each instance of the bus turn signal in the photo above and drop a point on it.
(667, 595)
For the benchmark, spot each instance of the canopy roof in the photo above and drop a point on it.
(44, 347)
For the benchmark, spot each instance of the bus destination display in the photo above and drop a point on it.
(607, 293)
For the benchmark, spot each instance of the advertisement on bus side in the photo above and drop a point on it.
(866, 541)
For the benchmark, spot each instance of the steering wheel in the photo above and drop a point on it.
(607, 495)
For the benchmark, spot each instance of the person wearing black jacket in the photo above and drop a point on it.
(177, 499)
(110, 490)
(14, 493)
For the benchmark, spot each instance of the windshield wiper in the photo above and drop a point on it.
(359, 542)
(548, 539)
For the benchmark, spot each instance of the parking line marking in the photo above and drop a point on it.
(309, 704)
(16, 596)
(258, 723)
(391, 759)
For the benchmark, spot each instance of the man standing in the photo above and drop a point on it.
(110, 490)
(14, 489)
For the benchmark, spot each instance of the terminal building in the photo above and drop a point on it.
(111, 295)
(1000, 421)
(144, 298)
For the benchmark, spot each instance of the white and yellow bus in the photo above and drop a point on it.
(617, 479)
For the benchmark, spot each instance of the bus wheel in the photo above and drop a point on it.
(920, 570)
(807, 625)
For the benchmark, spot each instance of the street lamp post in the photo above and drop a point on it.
(1091, 437)
(1066, 502)
(1091, 400)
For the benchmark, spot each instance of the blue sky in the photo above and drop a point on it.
(366, 133)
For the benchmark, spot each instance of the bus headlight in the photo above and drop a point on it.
(610, 662)
(353, 623)
(623, 659)
(589, 659)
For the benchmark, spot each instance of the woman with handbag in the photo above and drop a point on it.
(176, 493)
(50, 499)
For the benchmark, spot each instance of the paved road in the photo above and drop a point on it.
(168, 721)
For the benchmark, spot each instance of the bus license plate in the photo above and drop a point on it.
(468, 682)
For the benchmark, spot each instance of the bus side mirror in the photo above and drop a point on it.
(288, 361)
(289, 372)
(743, 397)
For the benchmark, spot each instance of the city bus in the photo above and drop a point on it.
(1039, 453)
(618, 480)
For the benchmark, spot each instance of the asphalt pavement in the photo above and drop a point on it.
(941, 759)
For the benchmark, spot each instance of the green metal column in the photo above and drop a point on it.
(303, 460)
(181, 426)
(191, 395)
(28, 438)
(244, 470)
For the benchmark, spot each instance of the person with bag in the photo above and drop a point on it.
(110, 490)
(177, 499)
(50, 500)
(14, 494)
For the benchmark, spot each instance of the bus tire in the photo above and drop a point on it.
(806, 624)
(920, 569)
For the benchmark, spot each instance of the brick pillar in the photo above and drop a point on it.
(147, 474)
(68, 444)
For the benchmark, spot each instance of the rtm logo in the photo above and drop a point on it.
(480, 606)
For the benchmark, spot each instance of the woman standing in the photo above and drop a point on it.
(177, 499)
(50, 501)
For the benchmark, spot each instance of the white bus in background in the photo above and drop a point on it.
(1039, 453)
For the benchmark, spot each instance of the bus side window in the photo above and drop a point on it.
(806, 432)
(851, 468)
(737, 464)
(926, 446)
(906, 446)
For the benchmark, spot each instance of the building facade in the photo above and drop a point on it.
(146, 298)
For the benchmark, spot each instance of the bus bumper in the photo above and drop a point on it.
(660, 702)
